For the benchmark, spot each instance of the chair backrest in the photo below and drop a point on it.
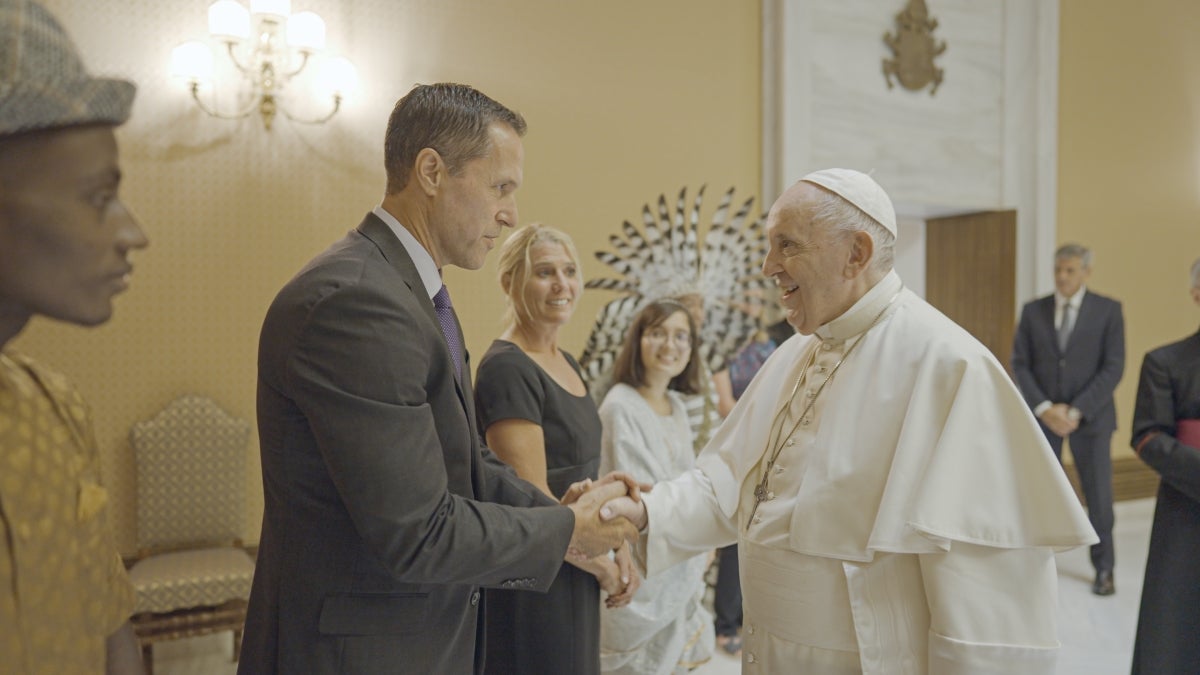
(191, 465)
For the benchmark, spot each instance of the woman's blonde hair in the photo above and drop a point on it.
(515, 262)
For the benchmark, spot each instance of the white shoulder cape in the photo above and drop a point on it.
(924, 440)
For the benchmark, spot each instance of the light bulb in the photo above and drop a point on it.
(228, 19)
(192, 61)
(337, 76)
(277, 8)
(306, 32)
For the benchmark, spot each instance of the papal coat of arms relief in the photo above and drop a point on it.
(914, 49)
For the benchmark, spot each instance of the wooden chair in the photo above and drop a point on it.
(192, 576)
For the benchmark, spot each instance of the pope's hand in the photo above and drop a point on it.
(593, 536)
(627, 509)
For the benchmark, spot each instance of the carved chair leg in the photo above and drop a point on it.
(148, 657)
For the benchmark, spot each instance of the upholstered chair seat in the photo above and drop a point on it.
(183, 579)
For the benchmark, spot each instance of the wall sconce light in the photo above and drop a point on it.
(280, 48)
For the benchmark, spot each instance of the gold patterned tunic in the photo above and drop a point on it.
(64, 587)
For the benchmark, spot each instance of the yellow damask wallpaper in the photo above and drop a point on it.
(625, 99)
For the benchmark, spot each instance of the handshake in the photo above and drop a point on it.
(608, 512)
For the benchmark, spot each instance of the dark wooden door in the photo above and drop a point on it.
(970, 274)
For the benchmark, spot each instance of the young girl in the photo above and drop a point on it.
(665, 629)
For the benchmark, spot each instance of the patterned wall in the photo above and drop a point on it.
(625, 100)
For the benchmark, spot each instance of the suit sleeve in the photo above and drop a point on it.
(359, 371)
(1154, 413)
(1098, 392)
(1022, 360)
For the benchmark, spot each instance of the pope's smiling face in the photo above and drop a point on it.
(807, 260)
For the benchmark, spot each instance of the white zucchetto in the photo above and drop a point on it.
(860, 190)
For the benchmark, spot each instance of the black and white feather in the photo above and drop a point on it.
(671, 255)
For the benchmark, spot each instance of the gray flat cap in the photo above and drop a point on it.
(43, 84)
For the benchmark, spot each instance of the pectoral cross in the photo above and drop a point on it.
(761, 494)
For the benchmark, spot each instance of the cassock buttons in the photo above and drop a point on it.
(750, 657)
(810, 393)
(790, 442)
(779, 469)
(757, 520)
(826, 346)
(750, 629)
(804, 421)
(770, 495)
(821, 369)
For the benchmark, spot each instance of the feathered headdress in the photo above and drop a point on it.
(666, 259)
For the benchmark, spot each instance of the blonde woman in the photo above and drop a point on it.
(537, 415)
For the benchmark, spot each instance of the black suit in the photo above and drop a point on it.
(1083, 376)
(1169, 621)
(373, 545)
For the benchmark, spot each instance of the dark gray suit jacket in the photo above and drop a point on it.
(1087, 373)
(384, 515)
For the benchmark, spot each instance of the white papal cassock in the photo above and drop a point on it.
(914, 510)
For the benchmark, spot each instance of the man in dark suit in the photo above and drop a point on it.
(1166, 435)
(1068, 356)
(384, 515)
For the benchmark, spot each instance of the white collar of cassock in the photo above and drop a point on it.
(862, 314)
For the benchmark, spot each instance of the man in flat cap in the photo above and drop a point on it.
(65, 239)
(895, 506)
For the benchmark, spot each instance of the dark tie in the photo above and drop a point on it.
(445, 315)
(1064, 329)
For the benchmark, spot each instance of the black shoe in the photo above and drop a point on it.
(1104, 583)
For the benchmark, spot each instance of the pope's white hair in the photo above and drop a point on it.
(840, 215)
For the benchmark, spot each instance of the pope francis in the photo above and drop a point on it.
(896, 507)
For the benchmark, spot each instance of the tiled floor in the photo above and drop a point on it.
(1097, 633)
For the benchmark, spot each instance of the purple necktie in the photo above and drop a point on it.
(445, 315)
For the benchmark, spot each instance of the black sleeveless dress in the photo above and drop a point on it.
(557, 632)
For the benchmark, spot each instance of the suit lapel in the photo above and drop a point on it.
(1046, 314)
(1084, 318)
(397, 256)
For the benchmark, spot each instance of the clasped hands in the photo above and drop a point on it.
(603, 511)
(1058, 418)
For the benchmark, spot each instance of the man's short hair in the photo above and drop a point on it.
(43, 83)
(1075, 251)
(452, 119)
